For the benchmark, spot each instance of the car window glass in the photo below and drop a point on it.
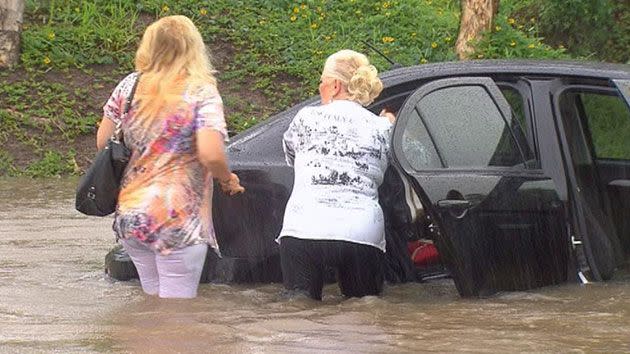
(468, 128)
(515, 100)
(519, 122)
(577, 136)
(624, 89)
(417, 146)
(608, 120)
(576, 139)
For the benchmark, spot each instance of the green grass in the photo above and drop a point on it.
(609, 123)
(78, 33)
(279, 48)
(273, 36)
(49, 110)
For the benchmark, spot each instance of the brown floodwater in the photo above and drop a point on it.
(54, 297)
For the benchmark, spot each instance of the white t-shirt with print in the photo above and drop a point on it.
(340, 153)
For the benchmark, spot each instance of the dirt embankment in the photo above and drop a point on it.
(89, 89)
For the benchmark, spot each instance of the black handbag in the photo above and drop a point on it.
(97, 193)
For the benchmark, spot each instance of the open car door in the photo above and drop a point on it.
(594, 121)
(497, 219)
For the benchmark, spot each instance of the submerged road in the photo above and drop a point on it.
(54, 297)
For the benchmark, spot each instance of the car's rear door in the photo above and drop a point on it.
(616, 165)
(497, 218)
(594, 118)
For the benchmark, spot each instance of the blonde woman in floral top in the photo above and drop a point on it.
(176, 131)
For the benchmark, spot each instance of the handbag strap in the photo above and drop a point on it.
(118, 133)
(131, 94)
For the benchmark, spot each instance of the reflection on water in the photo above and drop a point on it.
(55, 298)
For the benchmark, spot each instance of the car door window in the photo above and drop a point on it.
(519, 123)
(459, 127)
(515, 100)
(418, 146)
(608, 121)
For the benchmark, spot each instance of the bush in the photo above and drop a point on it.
(513, 39)
(595, 29)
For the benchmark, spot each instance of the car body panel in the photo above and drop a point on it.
(532, 224)
(247, 225)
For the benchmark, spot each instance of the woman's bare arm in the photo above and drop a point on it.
(105, 131)
(212, 155)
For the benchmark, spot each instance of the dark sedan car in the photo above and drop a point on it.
(523, 169)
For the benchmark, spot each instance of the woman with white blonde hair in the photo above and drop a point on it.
(176, 131)
(339, 151)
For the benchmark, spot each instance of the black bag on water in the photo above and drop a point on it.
(97, 193)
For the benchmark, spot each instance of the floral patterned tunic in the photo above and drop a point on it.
(166, 193)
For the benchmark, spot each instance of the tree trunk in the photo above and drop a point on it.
(476, 17)
(11, 16)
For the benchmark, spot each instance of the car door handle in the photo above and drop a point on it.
(453, 203)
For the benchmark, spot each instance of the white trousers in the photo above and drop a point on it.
(175, 275)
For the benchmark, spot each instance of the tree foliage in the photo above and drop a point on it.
(594, 29)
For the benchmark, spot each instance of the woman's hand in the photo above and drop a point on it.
(389, 115)
(232, 185)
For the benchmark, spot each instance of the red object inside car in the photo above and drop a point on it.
(423, 253)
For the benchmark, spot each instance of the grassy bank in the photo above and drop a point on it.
(268, 52)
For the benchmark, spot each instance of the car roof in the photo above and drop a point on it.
(523, 67)
(458, 68)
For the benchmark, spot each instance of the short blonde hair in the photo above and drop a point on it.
(170, 56)
(354, 70)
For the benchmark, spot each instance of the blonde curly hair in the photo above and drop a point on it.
(354, 70)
